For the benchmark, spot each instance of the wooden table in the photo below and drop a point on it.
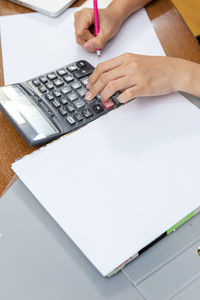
(174, 35)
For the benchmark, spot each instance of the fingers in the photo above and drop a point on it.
(82, 21)
(86, 35)
(102, 82)
(116, 85)
(129, 94)
(102, 68)
(95, 42)
(80, 42)
(83, 40)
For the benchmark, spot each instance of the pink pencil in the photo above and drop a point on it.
(96, 23)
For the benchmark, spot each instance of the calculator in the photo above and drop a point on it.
(53, 104)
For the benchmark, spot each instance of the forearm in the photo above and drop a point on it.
(124, 8)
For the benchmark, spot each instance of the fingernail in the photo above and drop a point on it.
(120, 100)
(88, 86)
(88, 96)
(89, 46)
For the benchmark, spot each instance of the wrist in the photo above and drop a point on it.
(116, 10)
(123, 9)
(189, 77)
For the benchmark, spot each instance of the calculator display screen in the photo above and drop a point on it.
(26, 113)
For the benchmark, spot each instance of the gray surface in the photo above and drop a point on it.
(170, 266)
(193, 99)
(191, 293)
(176, 274)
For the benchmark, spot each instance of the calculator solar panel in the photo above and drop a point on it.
(60, 96)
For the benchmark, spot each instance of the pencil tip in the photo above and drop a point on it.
(98, 53)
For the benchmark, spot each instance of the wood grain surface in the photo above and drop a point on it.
(173, 33)
(175, 37)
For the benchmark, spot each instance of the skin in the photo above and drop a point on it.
(110, 19)
(133, 75)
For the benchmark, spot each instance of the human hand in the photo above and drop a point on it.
(137, 76)
(109, 26)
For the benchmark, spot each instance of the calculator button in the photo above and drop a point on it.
(78, 117)
(58, 82)
(108, 104)
(36, 82)
(83, 72)
(49, 96)
(84, 80)
(43, 79)
(115, 99)
(82, 92)
(72, 68)
(76, 85)
(63, 100)
(72, 96)
(81, 64)
(42, 89)
(87, 113)
(69, 78)
(97, 108)
(65, 90)
(70, 108)
(79, 103)
(62, 110)
(62, 72)
(98, 97)
(56, 103)
(52, 76)
(49, 85)
(71, 120)
(57, 93)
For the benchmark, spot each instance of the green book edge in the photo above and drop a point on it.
(181, 222)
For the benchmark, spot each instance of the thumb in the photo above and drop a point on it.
(95, 43)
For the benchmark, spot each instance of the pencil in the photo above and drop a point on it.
(96, 23)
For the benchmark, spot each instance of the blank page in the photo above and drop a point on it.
(121, 181)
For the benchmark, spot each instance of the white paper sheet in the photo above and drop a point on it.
(33, 43)
(123, 180)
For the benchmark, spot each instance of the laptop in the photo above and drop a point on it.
(52, 8)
